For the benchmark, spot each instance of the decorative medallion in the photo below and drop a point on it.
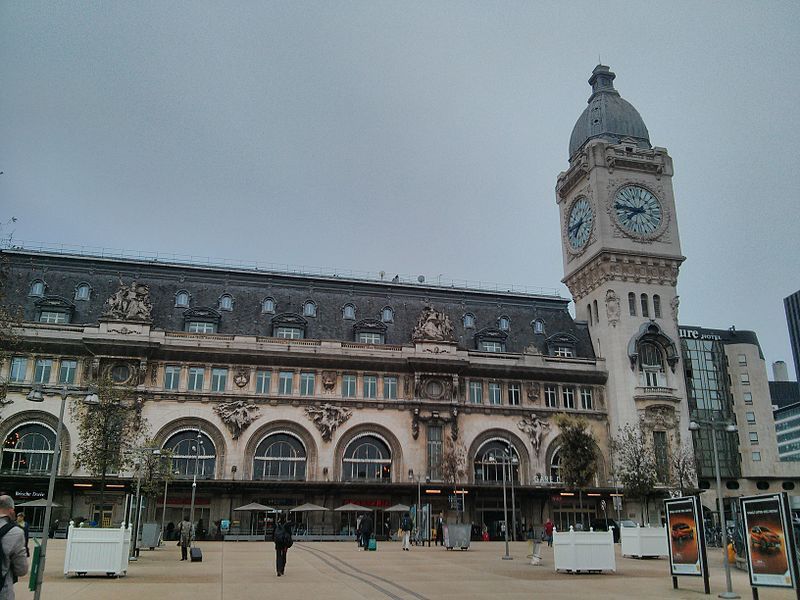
(237, 415)
(533, 392)
(328, 381)
(327, 418)
(612, 307)
(242, 377)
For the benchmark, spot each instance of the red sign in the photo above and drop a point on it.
(373, 502)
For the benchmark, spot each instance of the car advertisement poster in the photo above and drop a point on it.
(686, 551)
(768, 539)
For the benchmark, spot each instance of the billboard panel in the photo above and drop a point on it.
(768, 539)
(686, 542)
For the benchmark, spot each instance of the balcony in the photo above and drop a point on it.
(659, 393)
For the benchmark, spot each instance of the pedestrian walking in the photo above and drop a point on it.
(405, 527)
(184, 537)
(283, 541)
(14, 563)
(366, 531)
(26, 528)
(548, 532)
(440, 530)
(358, 530)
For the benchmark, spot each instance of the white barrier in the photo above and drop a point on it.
(584, 550)
(97, 550)
(644, 541)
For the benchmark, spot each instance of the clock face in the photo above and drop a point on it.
(579, 224)
(638, 210)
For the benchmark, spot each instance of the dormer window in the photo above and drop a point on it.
(37, 288)
(490, 340)
(309, 309)
(83, 291)
(268, 305)
(538, 327)
(182, 299)
(469, 321)
(370, 331)
(503, 323)
(491, 346)
(562, 345)
(349, 312)
(564, 352)
(387, 314)
(201, 320)
(54, 309)
(226, 302)
(289, 326)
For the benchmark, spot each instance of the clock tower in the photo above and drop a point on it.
(622, 256)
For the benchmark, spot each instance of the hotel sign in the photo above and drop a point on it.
(696, 334)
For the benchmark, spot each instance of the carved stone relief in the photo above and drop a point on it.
(435, 417)
(327, 418)
(532, 391)
(536, 429)
(3, 399)
(242, 377)
(237, 415)
(612, 307)
(432, 325)
(328, 381)
(129, 303)
(674, 304)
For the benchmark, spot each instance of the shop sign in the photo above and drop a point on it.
(373, 502)
(769, 540)
(29, 494)
(686, 539)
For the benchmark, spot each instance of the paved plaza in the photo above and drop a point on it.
(338, 571)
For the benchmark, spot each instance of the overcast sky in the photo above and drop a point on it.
(413, 138)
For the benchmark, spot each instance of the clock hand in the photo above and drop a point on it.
(576, 226)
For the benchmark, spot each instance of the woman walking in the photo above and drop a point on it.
(283, 541)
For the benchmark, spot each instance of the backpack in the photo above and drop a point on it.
(406, 524)
(3, 531)
(283, 536)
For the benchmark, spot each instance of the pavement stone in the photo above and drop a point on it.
(338, 571)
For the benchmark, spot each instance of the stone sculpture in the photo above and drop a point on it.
(327, 418)
(535, 428)
(432, 326)
(129, 303)
(612, 307)
(237, 415)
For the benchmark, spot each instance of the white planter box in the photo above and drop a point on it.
(584, 551)
(644, 541)
(97, 550)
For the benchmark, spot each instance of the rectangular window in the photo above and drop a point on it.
(755, 456)
(390, 388)
(751, 417)
(369, 337)
(551, 396)
(586, 398)
(19, 364)
(514, 394)
(476, 392)
(661, 455)
(645, 311)
(370, 386)
(491, 347)
(67, 371)
(495, 396)
(753, 438)
(41, 372)
(435, 452)
(564, 352)
(742, 360)
(172, 377)
(48, 316)
(348, 386)
(285, 383)
(219, 380)
(307, 381)
(568, 396)
(744, 378)
(263, 379)
(201, 327)
(195, 382)
(289, 333)
(748, 398)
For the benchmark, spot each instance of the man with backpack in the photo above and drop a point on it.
(283, 541)
(13, 559)
(406, 525)
(366, 531)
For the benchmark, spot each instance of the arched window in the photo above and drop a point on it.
(596, 315)
(309, 309)
(589, 313)
(37, 288)
(28, 449)
(538, 327)
(82, 291)
(192, 451)
(656, 306)
(268, 305)
(645, 306)
(226, 302)
(632, 304)
(469, 321)
(349, 312)
(367, 458)
(651, 365)
(489, 462)
(182, 299)
(280, 456)
(503, 323)
(387, 314)
(555, 466)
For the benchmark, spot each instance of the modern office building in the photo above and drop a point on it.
(787, 429)
(792, 306)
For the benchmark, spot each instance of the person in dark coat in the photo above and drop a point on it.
(366, 531)
(283, 541)
(440, 530)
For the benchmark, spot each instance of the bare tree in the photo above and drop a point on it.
(156, 471)
(682, 463)
(577, 453)
(635, 464)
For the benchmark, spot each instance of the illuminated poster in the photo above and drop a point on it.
(768, 538)
(686, 556)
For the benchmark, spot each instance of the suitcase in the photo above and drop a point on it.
(373, 544)
(195, 554)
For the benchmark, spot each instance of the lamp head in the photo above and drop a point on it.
(694, 426)
(91, 398)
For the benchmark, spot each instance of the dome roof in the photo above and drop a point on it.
(608, 116)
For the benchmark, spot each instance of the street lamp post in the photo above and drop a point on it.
(504, 461)
(513, 501)
(37, 394)
(411, 477)
(716, 425)
(194, 479)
